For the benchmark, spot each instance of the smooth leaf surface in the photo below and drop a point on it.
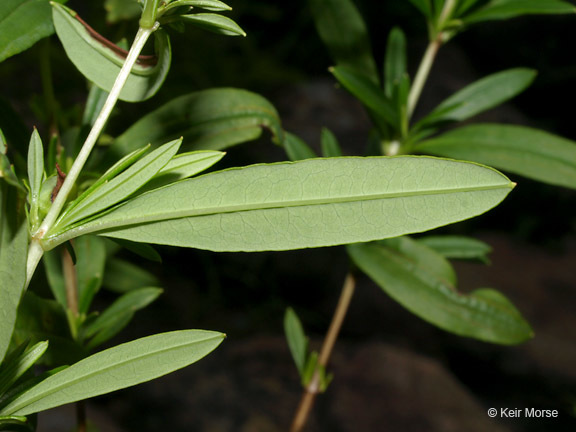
(13, 252)
(368, 93)
(297, 340)
(116, 368)
(100, 61)
(19, 361)
(395, 61)
(215, 23)
(484, 94)
(22, 24)
(344, 32)
(90, 262)
(297, 149)
(121, 186)
(118, 10)
(505, 9)
(211, 5)
(330, 144)
(458, 247)
(525, 151)
(122, 276)
(423, 6)
(312, 203)
(53, 267)
(207, 120)
(491, 318)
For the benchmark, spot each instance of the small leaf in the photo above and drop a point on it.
(183, 166)
(18, 362)
(311, 203)
(369, 94)
(35, 173)
(424, 7)
(53, 268)
(100, 61)
(491, 319)
(344, 32)
(505, 9)
(15, 424)
(484, 94)
(297, 149)
(395, 61)
(528, 152)
(211, 5)
(297, 340)
(119, 10)
(134, 362)
(13, 254)
(94, 104)
(121, 186)
(207, 120)
(458, 247)
(22, 24)
(115, 318)
(141, 249)
(330, 145)
(215, 23)
(91, 259)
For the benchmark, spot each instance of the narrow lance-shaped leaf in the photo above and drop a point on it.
(424, 7)
(482, 95)
(207, 120)
(22, 24)
(529, 152)
(368, 93)
(505, 9)
(123, 185)
(297, 340)
(18, 362)
(215, 23)
(395, 61)
(100, 61)
(90, 262)
(311, 203)
(13, 251)
(211, 5)
(483, 314)
(330, 145)
(122, 366)
(123, 276)
(458, 247)
(344, 32)
(297, 149)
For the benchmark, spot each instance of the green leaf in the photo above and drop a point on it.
(528, 152)
(22, 24)
(311, 203)
(90, 262)
(344, 32)
(122, 276)
(211, 5)
(119, 10)
(296, 338)
(395, 61)
(116, 368)
(13, 253)
(121, 186)
(368, 93)
(297, 149)
(15, 424)
(207, 120)
(35, 174)
(94, 104)
(505, 9)
(491, 319)
(329, 143)
(18, 362)
(464, 6)
(100, 61)
(183, 166)
(53, 268)
(215, 23)
(482, 95)
(458, 247)
(143, 250)
(120, 313)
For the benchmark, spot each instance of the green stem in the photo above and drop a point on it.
(436, 41)
(35, 250)
(148, 19)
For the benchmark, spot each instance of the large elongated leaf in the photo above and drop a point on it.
(13, 250)
(529, 152)
(311, 203)
(22, 24)
(343, 31)
(505, 9)
(483, 94)
(483, 314)
(207, 120)
(116, 368)
(100, 61)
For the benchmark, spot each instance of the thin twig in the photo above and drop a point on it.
(310, 392)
